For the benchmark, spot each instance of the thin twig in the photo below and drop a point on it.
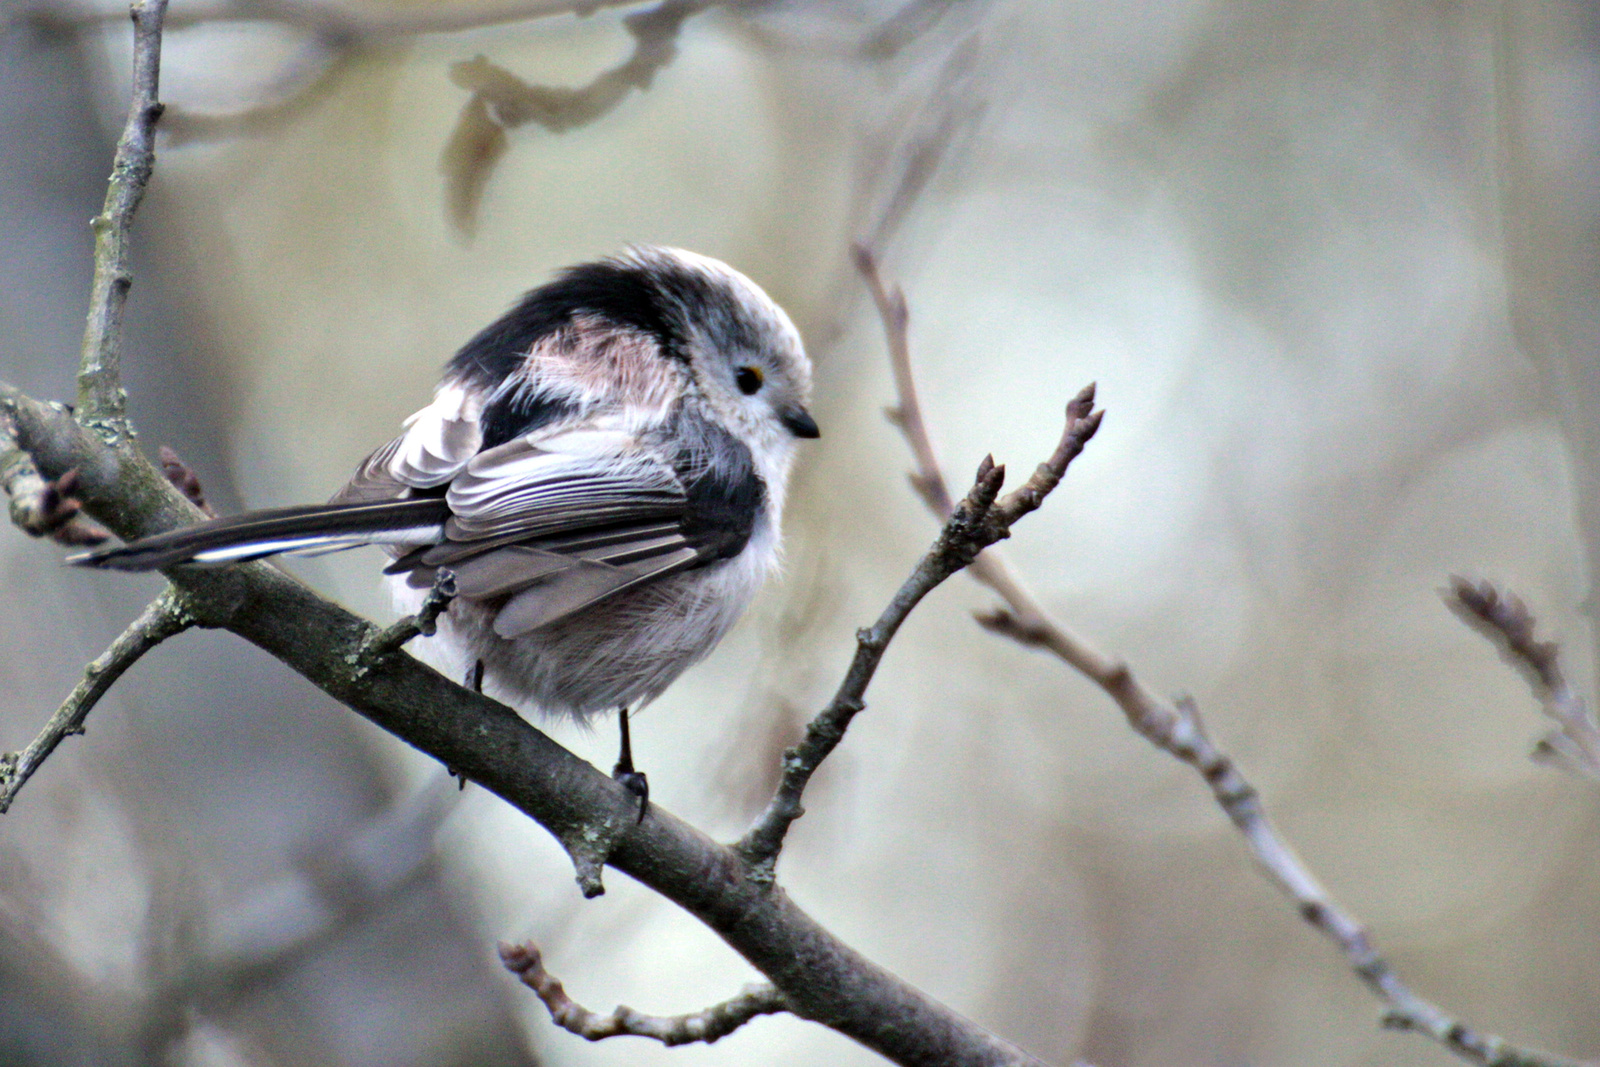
(164, 618)
(423, 624)
(707, 1025)
(980, 520)
(824, 979)
(1175, 727)
(1505, 620)
(102, 404)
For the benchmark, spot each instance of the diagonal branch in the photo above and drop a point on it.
(822, 977)
(762, 842)
(980, 520)
(1505, 620)
(101, 400)
(708, 1025)
(164, 618)
(1175, 727)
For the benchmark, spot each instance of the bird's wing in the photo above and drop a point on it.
(555, 523)
(546, 524)
(438, 443)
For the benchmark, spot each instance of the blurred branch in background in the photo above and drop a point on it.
(333, 33)
(1506, 621)
(501, 101)
(731, 890)
(1176, 728)
(339, 884)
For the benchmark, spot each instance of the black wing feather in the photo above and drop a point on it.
(313, 524)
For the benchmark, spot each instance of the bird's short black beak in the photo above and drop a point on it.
(800, 423)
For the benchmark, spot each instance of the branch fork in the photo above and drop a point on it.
(820, 977)
(425, 623)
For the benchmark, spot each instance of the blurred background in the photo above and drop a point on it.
(1333, 266)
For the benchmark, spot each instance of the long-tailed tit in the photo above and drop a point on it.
(602, 469)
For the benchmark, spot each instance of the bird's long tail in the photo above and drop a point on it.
(301, 530)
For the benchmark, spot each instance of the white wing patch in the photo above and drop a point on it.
(440, 439)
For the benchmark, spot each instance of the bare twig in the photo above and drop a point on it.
(824, 979)
(980, 520)
(102, 404)
(164, 618)
(423, 624)
(927, 479)
(1175, 727)
(1505, 620)
(707, 1025)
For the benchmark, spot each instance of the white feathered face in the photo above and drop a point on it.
(745, 356)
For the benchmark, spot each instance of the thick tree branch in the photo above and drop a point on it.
(164, 618)
(708, 1025)
(1506, 621)
(1175, 727)
(821, 977)
(101, 400)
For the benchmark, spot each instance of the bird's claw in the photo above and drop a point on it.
(634, 782)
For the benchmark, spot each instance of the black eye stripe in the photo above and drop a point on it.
(748, 379)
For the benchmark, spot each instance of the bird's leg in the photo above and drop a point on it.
(624, 774)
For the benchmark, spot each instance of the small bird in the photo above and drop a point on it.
(602, 470)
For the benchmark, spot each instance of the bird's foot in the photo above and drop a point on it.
(634, 782)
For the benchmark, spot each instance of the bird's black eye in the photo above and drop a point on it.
(748, 379)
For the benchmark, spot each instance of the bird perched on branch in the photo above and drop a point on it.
(602, 470)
